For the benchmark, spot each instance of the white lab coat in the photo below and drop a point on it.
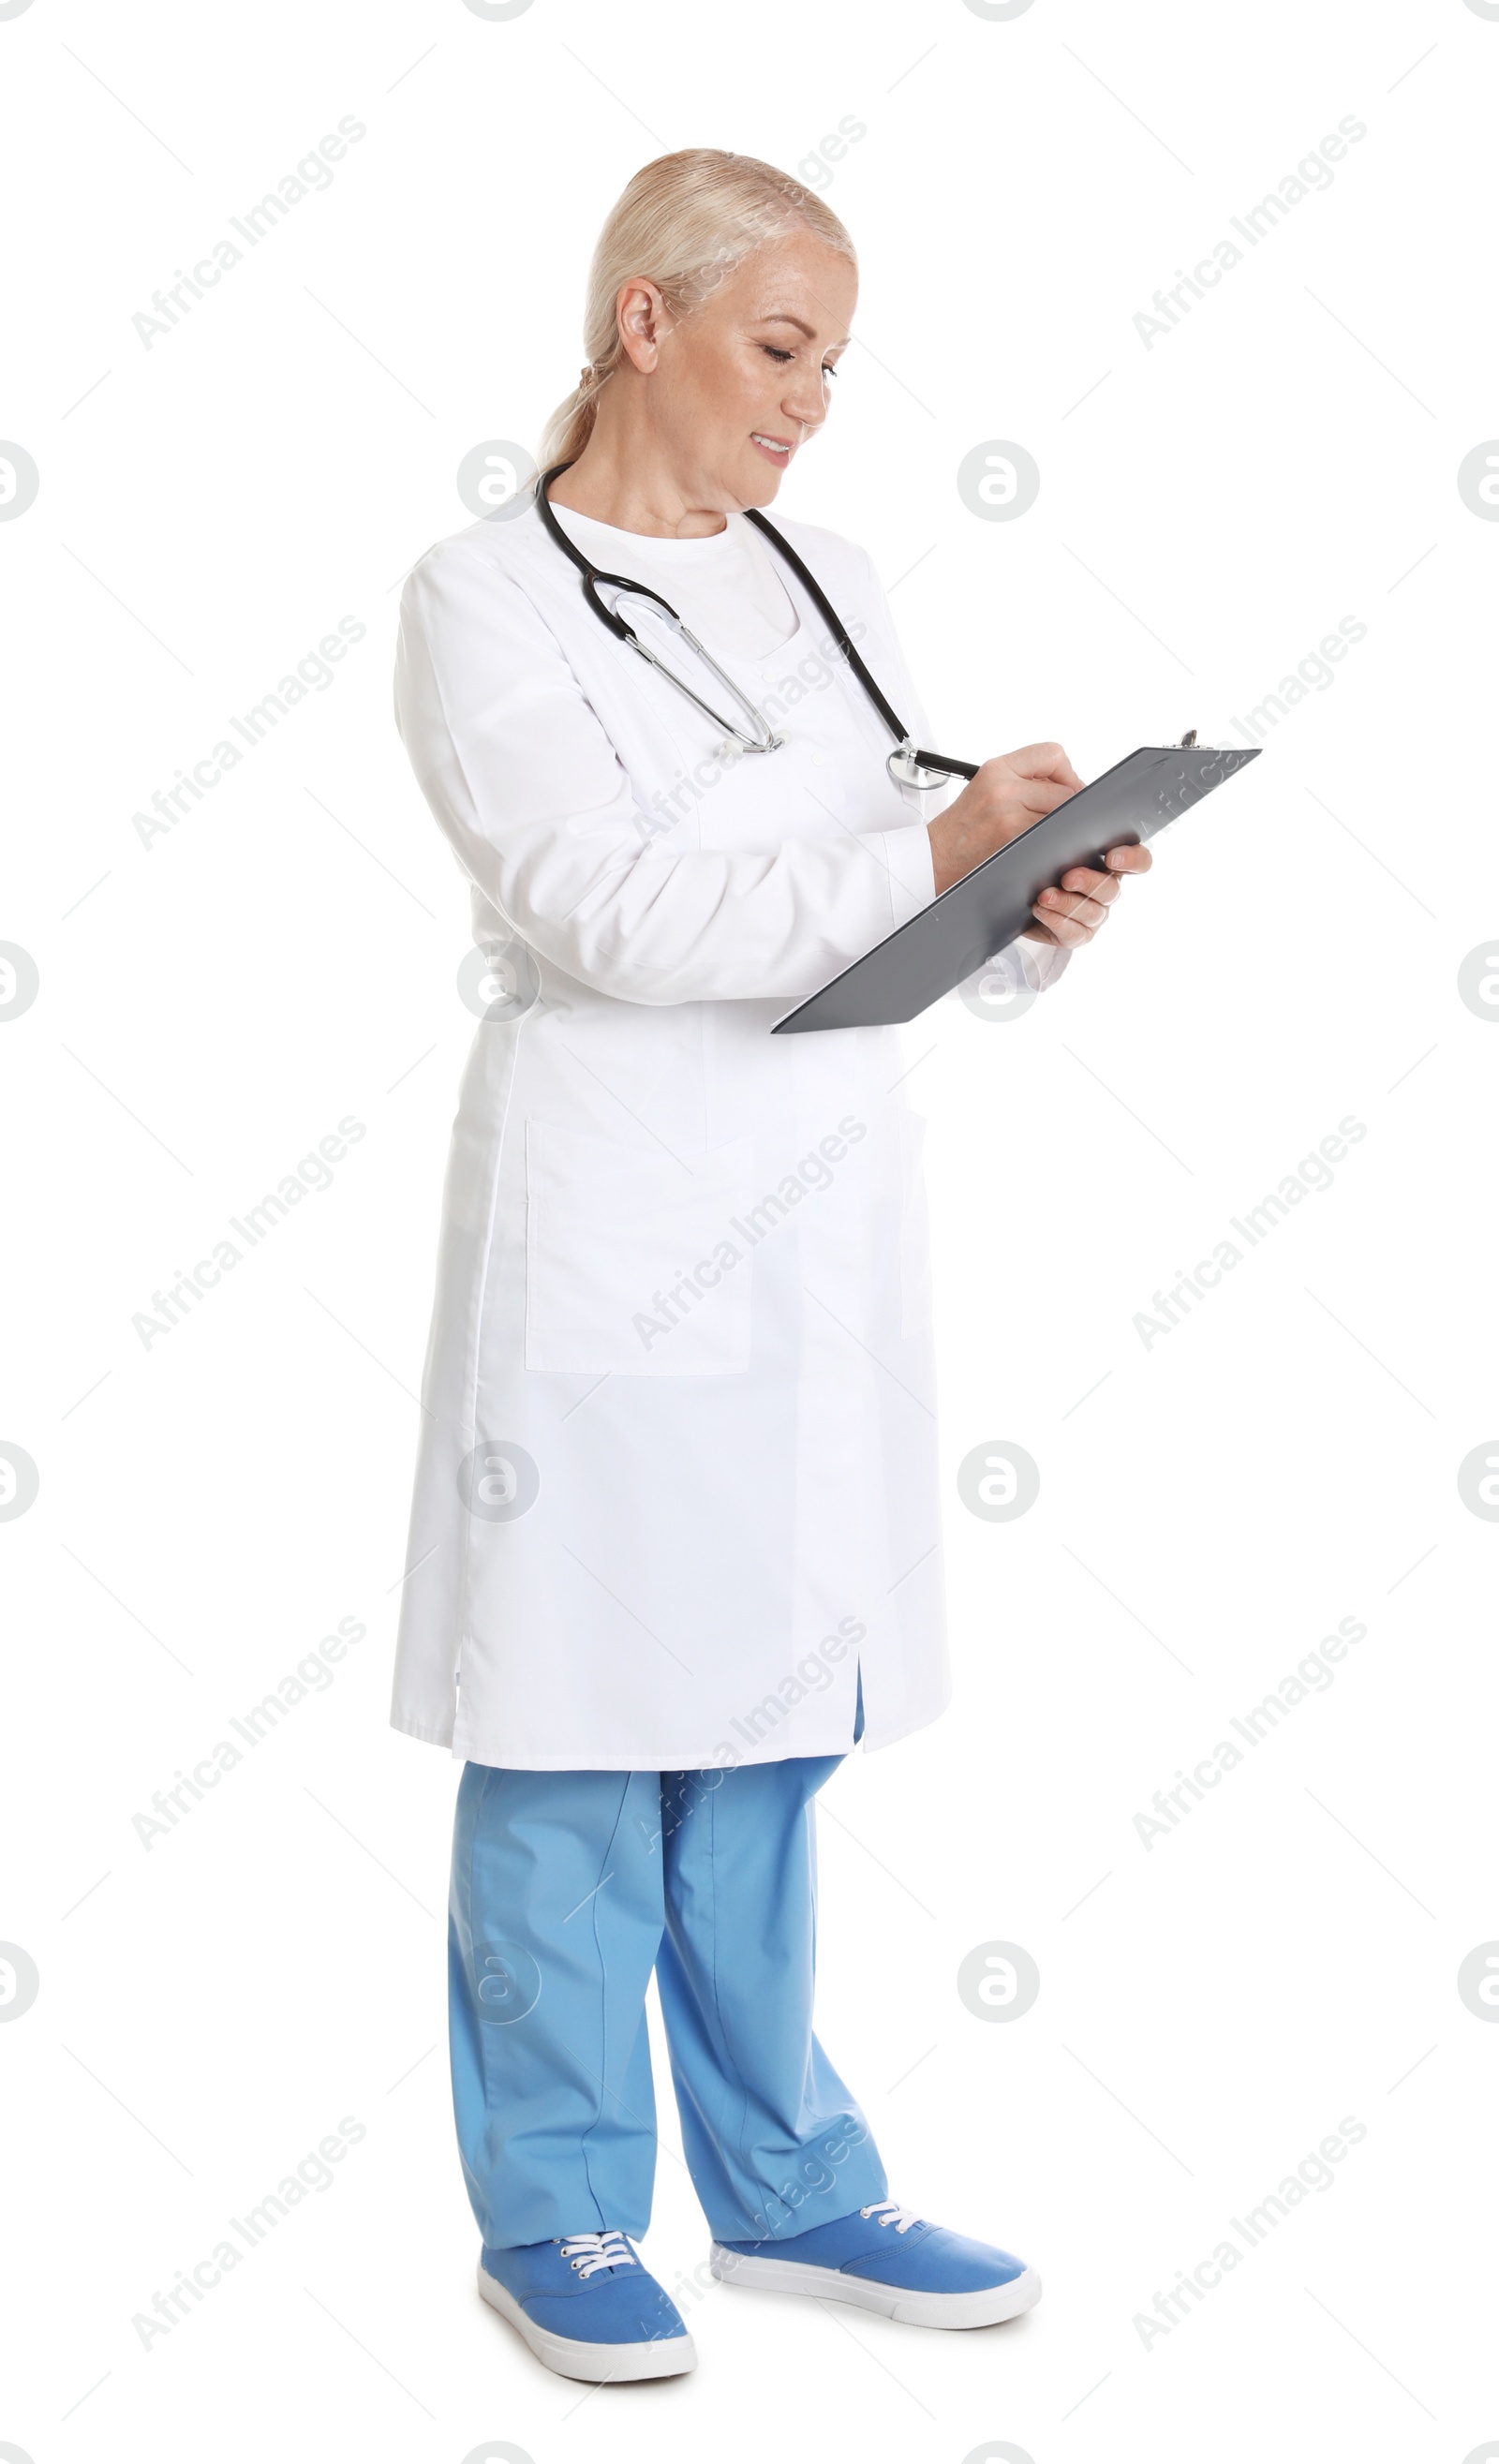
(677, 1476)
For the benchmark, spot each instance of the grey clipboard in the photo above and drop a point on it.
(977, 917)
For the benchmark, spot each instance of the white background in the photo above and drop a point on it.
(1212, 2006)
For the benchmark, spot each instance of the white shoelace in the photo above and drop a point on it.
(588, 2252)
(889, 2211)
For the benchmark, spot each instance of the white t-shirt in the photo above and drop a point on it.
(726, 589)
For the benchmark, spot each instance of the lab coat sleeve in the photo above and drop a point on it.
(1025, 965)
(522, 778)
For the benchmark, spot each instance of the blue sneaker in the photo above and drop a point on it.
(886, 2258)
(587, 2307)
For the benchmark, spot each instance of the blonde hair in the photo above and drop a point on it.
(686, 223)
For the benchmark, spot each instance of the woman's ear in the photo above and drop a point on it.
(644, 320)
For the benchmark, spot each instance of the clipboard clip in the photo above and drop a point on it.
(1188, 740)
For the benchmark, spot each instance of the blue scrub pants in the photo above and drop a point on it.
(568, 1887)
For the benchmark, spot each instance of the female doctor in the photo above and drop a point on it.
(674, 1544)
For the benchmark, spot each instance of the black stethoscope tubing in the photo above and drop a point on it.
(906, 753)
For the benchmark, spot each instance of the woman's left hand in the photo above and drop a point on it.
(1072, 915)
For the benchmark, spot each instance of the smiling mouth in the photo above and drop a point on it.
(776, 448)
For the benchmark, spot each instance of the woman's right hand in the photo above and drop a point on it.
(1005, 797)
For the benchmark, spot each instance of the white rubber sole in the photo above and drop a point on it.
(988, 2307)
(666, 2357)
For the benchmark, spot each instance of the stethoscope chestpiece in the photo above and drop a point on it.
(908, 772)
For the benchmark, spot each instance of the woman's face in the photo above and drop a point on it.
(739, 383)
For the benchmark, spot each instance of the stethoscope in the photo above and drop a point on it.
(908, 766)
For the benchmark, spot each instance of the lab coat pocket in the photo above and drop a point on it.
(915, 1256)
(633, 1264)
